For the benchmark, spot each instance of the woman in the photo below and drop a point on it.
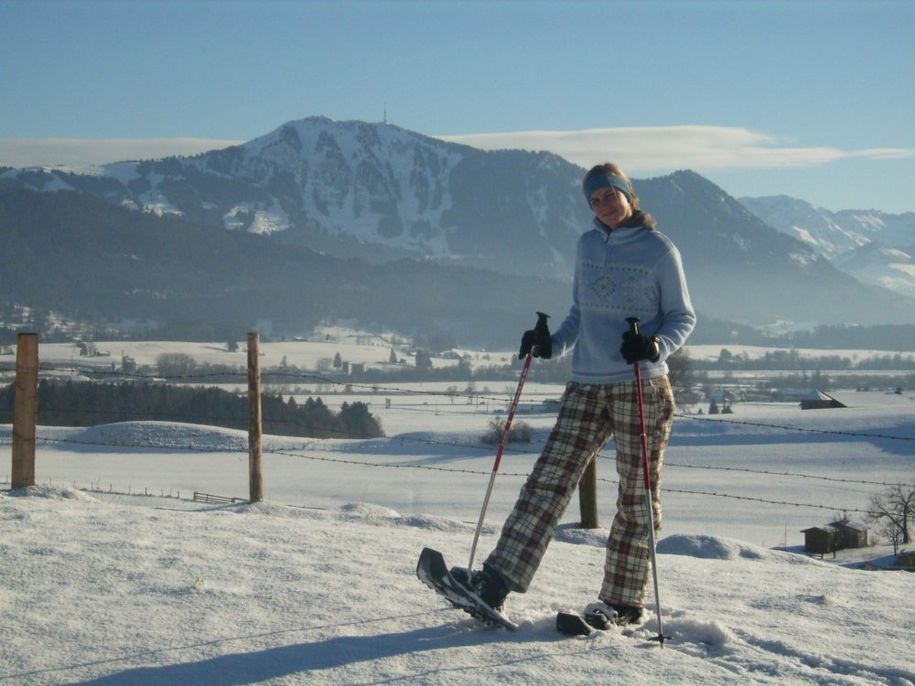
(624, 268)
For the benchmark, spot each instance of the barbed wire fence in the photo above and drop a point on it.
(280, 377)
(95, 486)
(303, 455)
(377, 388)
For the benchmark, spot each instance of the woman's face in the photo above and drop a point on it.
(610, 206)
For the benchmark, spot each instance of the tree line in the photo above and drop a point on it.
(77, 403)
(792, 360)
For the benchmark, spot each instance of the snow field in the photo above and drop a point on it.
(132, 590)
(317, 585)
(432, 462)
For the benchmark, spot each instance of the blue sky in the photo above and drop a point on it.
(810, 99)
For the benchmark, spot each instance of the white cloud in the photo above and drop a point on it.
(637, 149)
(662, 148)
(79, 153)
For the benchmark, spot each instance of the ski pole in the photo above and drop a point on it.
(660, 638)
(505, 431)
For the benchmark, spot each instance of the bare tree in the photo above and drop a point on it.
(175, 364)
(890, 532)
(891, 510)
(519, 433)
(680, 371)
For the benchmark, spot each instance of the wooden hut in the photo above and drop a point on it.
(848, 536)
(819, 541)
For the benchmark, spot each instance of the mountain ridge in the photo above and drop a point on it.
(378, 193)
(873, 246)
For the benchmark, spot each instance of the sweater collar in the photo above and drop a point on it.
(619, 234)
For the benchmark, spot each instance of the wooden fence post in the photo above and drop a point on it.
(587, 496)
(255, 423)
(25, 411)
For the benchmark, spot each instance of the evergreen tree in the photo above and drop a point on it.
(87, 404)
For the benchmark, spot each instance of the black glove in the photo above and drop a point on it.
(638, 346)
(537, 340)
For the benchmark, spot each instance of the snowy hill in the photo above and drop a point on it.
(874, 263)
(316, 585)
(140, 591)
(874, 247)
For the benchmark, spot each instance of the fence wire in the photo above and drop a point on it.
(273, 377)
(477, 472)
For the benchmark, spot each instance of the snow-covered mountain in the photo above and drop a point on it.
(872, 246)
(318, 180)
(874, 263)
(377, 192)
(816, 227)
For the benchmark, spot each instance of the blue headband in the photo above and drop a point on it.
(605, 180)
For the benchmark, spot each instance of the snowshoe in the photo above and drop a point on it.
(432, 571)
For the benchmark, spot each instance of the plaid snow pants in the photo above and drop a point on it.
(589, 416)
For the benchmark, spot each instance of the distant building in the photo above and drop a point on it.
(848, 536)
(819, 541)
(839, 536)
(817, 400)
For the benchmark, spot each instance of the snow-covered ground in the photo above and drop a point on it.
(316, 585)
(131, 591)
(432, 461)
